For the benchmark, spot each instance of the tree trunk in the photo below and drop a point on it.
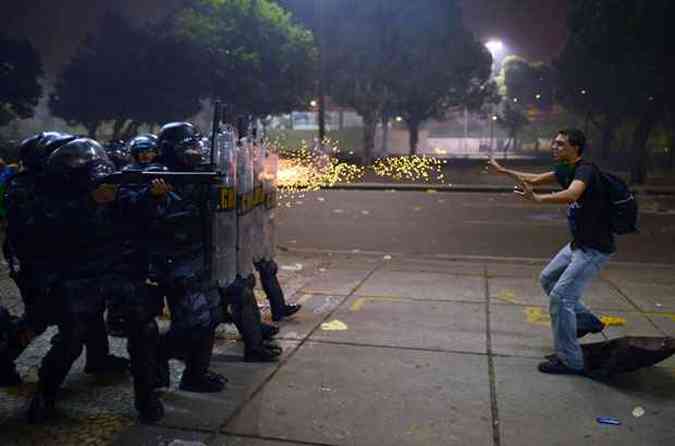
(117, 128)
(385, 135)
(414, 131)
(608, 131)
(638, 173)
(131, 130)
(92, 128)
(369, 125)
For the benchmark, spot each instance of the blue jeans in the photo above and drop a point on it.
(564, 280)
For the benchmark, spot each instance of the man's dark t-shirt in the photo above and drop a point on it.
(588, 217)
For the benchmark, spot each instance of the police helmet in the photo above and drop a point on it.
(180, 146)
(34, 151)
(79, 165)
(143, 144)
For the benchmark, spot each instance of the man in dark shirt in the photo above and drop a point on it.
(567, 275)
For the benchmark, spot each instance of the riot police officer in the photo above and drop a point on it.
(86, 254)
(179, 259)
(144, 150)
(32, 265)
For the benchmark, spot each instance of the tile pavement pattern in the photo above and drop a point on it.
(401, 351)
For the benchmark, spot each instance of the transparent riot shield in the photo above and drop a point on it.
(245, 205)
(224, 234)
(257, 240)
(270, 206)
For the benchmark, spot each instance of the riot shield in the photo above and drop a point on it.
(224, 235)
(245, 205)
(256, 240)
(270, 203)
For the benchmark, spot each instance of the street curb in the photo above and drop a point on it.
(421, 187)
(456, 258)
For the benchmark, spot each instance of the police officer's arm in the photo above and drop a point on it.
(567, 196)
(533, 179)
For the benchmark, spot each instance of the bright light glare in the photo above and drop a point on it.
(313, 104)
(495, 47)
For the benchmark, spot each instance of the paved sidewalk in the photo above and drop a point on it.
(392, 351)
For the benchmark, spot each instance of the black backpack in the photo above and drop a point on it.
(623, 206)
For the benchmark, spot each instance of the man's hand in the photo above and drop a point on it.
(493, 166)
(159, 188)
(105, 193)
(525, 191)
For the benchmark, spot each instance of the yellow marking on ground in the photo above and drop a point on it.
(612, 321)
(334, 325)
(360, 302)
(507, 296)
(538, 316)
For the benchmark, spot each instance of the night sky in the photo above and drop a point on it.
(534, 29)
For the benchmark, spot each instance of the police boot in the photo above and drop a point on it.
(245, 312)
(99, 360)
(197, 377)
(109, 364)
(268, 331)
(9, 377)
(150, 409)
(41, 407)
(268, 278)
(262, 353)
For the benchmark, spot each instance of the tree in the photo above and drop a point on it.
(388, 57)
(20, 71)
(245, 52)
(625, 44)
(450, 67)
(122, 74)
(255, 57)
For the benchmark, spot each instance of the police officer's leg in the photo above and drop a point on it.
(10, 349)
(268, 277)
(198, 328)
(99, 359)
(246, 315)
(143, 348)
(55, 366)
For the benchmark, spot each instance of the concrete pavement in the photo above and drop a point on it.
(392, 351)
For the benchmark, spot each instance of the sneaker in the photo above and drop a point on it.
(555, 366)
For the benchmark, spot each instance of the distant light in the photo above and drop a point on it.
(399, 119)
(313, 104)
(495, 47)
(538, 96)
(583, 92)
(515, 99)
(494, 118)
(651, 98)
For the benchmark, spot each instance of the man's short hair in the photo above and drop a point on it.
(575, 137)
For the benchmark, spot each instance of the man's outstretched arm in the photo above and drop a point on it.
(533, 179)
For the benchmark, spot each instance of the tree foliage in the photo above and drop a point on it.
(253, 56)
(245, 52)
(20, 71)
(383, 57)
(617, 53)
